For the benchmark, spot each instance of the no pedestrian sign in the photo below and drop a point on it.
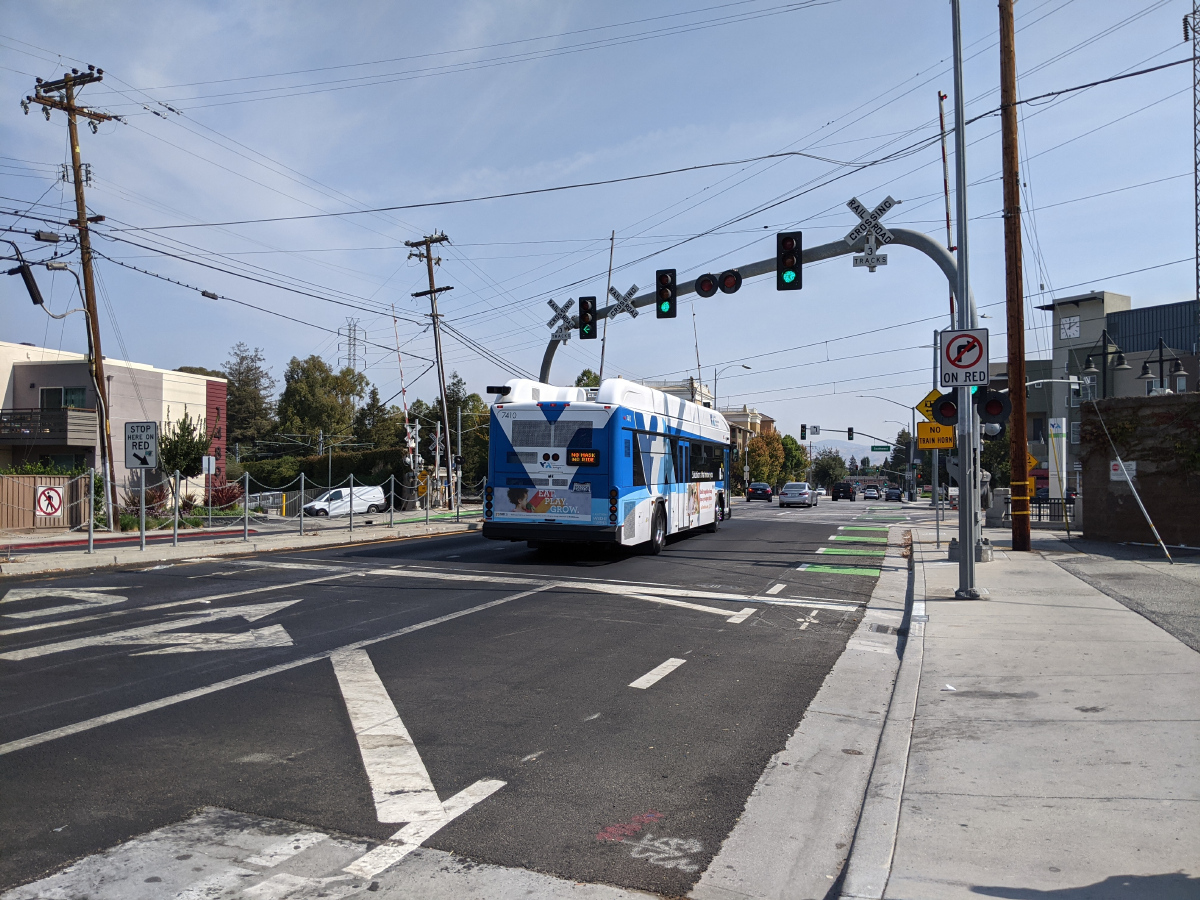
(964, 358)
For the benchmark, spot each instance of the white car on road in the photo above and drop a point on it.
(798, 493)
(367, 499)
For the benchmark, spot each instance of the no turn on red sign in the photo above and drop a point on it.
(964, 358)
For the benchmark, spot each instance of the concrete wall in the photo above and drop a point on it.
(1162, 436)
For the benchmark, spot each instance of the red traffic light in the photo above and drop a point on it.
(665, 278)
(730, 281)
(706, 285)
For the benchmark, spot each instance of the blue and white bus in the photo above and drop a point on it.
(621, 463)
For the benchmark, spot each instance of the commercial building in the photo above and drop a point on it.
(49, 410)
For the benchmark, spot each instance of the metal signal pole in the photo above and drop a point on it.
(968, 430)
(425, 243)
(65, 88)
(1013, 282)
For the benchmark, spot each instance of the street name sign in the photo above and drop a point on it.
(964, 358)
(880, 448)
(932, 436)
(925, 407)
(141, 445)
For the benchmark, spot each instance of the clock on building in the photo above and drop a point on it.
(1068, 327)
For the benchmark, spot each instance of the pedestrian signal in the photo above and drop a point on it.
(668, 290)
(587, 318)
(788, 248)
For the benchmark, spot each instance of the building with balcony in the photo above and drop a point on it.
(49, 411)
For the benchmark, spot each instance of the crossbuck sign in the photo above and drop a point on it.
(875, 233)
(624, 302)
(563, 333)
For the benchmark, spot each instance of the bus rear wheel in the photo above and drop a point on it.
(658, 531)
(712, 527)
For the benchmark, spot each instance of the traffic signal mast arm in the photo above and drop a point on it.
(902, 237)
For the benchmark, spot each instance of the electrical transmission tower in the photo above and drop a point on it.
(350, 345)
(1192, 33)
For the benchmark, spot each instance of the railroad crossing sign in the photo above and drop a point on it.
(624, 301)
(141, 445)
(875, 233)
(563, 333)
(925, 407)
(49, 501)
(965, 358)
(560, 312)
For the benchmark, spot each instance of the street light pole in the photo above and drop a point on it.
(717, 375)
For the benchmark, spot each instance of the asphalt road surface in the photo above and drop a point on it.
(597, 715)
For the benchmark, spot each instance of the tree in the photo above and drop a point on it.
(865, 463)
(249, 403)
(765, 456)
(182, 446)
(377, 424)
(852, 464)
(828, 467)
(898, 462)
(587, 378)
(200, 370)
(315, 398)
(795, 457)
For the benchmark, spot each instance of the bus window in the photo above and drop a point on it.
(573, 434)
(639, 471)
(531, 433)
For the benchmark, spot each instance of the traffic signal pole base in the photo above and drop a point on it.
(983, 553)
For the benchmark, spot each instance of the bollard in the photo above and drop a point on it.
(351, 504)
(246, 506)
(175, 527)
(91, 507)
(391, 500)
(301, 504)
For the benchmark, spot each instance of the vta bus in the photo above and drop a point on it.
(619, 464)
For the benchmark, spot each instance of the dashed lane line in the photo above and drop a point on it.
(657, 674)
(776, 588)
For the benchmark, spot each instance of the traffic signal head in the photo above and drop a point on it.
(994, 408)
(788, 247)
(945, 410)
(730, 281)
(587, 318)
(849, 434)
(706, 285)
(804, 432)
(667, 289)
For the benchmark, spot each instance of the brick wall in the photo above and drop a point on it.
(215, 392)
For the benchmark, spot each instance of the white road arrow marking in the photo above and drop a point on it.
(400, 783)
(183, 642)
(90, 597)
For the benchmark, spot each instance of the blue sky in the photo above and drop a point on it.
(305, 108)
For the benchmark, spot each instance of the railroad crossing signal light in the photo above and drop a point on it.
(804, 432)
(730, 281)
(945, 410)
(706, 285)
(788, 248)
(849, 434)
(994, 407)
(587, 318)
(667, 291)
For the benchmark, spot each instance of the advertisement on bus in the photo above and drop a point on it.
(534, 504)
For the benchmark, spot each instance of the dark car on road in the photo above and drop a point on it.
(843, 490)
(759, 490)
(893, 493)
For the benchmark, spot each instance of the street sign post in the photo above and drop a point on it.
(925, 407)
(964, 358)
(932, 436)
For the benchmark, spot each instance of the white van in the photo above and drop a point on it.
(367, 499)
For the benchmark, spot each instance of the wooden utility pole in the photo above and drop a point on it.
(64, 99)
(424, 254)
(1013, 282)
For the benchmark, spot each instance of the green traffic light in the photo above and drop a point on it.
(665, 306)
(789, 276)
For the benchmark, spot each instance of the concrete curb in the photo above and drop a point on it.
(76, 560)
(791, 840)
(870, 862)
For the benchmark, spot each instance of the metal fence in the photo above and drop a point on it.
(1053, 511)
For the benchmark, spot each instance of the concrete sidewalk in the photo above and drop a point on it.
(1047, 746)
(77, 558)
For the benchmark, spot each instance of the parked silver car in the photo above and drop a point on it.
(798, 493)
